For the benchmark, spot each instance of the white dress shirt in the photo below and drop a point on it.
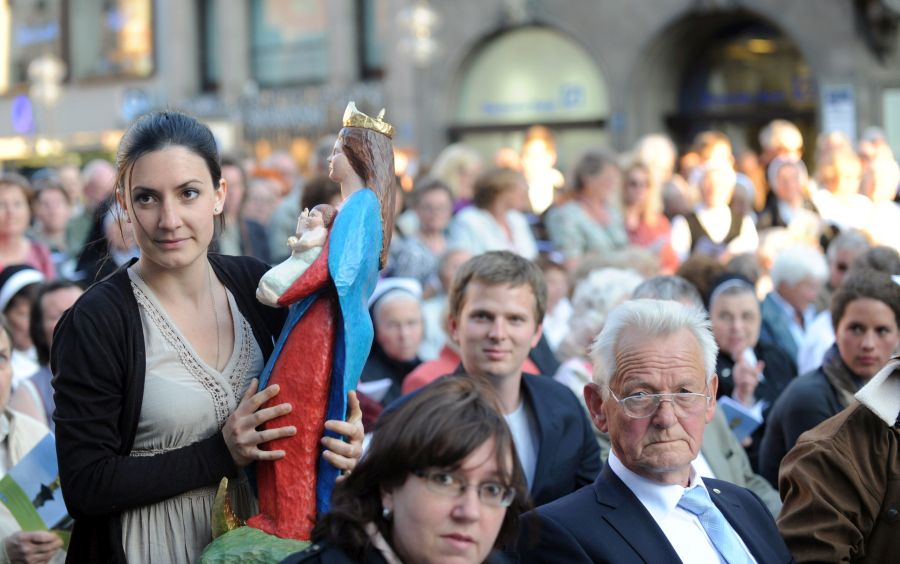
(681, 527)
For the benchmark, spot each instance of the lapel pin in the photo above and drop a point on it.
(717, 490)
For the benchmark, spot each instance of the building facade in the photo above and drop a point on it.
(272, 74)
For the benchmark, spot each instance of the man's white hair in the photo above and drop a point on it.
(797, 263)
(649, 319)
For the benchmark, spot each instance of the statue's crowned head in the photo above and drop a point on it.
(355, 118)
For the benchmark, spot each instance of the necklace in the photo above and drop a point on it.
(212, 295)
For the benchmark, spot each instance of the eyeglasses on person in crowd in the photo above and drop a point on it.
(449, 484)
(642, 405)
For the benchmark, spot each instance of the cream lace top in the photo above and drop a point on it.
(185, 400)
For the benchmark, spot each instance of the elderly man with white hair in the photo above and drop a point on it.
(654, 391)
(787, 312)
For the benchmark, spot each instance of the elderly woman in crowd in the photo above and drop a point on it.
(644, 222)
(439, 482)
(798, 274)
(15, 219)
(865, 311)
(592, 221)
(21, 435)
(495, 222)
(750, 372)
(396, 308)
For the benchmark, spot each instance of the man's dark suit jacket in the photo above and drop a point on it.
(605, 522)
(568, 456)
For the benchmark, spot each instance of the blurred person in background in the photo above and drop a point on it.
(644, 222)
(98, 179)
(396, 309)
(440, 482)
(34, 396)
(458, 166)
(880, 183)
(592, 221)
(69, 175)
(262, 198)
(52, 211)
(657, 152)
(838, 201)
(701, 271)
(866, 313)
(19, 285)
(417, 254)
(21, 434)
(748, 166)
(15, 220)
(241, 235)
(840, 254)
(713, 229)
(789, 206)
(779, 139)
(820, 335)
(788, 310)
(495, 222)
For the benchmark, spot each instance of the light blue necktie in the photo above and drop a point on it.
(723, 537)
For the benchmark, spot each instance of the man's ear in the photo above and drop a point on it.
(537, 335)
(594, 400)
(713, 388)
(453, 329)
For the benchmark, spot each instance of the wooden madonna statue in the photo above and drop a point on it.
(323, 347)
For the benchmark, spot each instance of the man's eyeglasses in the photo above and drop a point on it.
(642, 405)
(449, 484)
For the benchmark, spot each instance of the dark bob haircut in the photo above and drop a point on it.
(865, 283)
(437, 427)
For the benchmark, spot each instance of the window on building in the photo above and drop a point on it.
(28, 29)
(207, 16)
(373, 25)
(288, 41)
(110, 38)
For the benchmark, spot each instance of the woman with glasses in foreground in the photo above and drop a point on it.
(440, 481)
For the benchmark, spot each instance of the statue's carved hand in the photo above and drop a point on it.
(240, 430)
(345, 454)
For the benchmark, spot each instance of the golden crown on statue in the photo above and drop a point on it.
(355, 118)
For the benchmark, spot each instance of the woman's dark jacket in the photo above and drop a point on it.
(780, 370)
(98, 362)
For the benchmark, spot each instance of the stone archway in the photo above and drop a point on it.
(733, 71)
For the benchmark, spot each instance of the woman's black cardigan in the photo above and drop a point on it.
(98, 364)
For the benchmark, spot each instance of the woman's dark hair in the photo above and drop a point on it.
(437, 427)
(865, 283)
(36, 323)
(371, 156)
(590, 163)
(162, 129)
(319, 190)
(492, 183)
(426, 185)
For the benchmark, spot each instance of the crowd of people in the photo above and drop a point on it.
(559, 342)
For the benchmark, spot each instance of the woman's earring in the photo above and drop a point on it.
(387, 514)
